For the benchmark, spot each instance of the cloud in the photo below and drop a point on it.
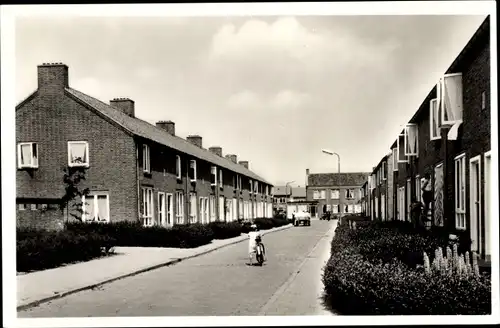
(285, 100)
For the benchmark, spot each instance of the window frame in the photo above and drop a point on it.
(146, 158)
(408, 151)
(434, 119)
(221, 179)
(460, 192)
(32, 165)
(395, 157)
(193, 213)
(179, 207)
(193, 166)
(332, 193)
(399, 151)
(178, 167)
(147, 219)
(87, 151)
(95, 197)
(213, 176)
(441, 101)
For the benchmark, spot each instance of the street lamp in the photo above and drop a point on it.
(328, 152)
(286, 199)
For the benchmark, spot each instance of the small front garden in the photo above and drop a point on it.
(388, 268)
(45, 249)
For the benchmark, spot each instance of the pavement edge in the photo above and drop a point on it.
(153, 267)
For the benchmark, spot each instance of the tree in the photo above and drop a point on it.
(72, 178)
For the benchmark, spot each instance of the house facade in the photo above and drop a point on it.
(337, 193)
(379, 190)
(449, 138)
(135, 171)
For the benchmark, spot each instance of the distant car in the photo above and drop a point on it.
(302, 217)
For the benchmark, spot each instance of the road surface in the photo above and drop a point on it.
(219, 283)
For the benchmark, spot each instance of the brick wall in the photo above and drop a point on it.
(51, 119)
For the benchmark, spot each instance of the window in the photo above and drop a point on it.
(213, 175)
(212, 208)
(451, 99)
(460, 192)
(384, 170)
(394, 159)
(316, 194)
(335, 194)
(78, 153)
(221, 182)
(147, 206)
(235, 182)
(146, 159)
(221, 208)
(192, 170)
(349, 193)
(335, 208)
(350, 208)
(95, 208)
(27, 155)
(411, 139)
(408, 200)
(483, 100)
(178, 166)
(179, 207)
(239, 182)
(250, 186)
(435, 119)
(240, 209)
(192, 208)
(256, 187)
(401, 149)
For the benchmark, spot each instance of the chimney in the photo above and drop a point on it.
(125, 105)
(244, 163)
(195, 140)
(307, 177)
(168, 126)
(216, 150)
(233, 158)
(53, 76)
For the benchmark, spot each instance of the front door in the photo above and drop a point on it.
(475, 204)
(161, 209)
(170, 210)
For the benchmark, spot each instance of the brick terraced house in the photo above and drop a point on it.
(336, 193)
(134, 170)
(449, 137)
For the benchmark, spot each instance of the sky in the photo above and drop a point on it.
(274, 90)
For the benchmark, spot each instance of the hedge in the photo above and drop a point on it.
(41, 249)
(376, 271)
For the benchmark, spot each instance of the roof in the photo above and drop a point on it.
(299, 192)
(281, 191)
(146, 130)
(337, 179)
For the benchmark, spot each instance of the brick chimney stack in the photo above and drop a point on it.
(52, 77)
(126, 105)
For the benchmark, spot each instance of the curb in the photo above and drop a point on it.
(156, 266)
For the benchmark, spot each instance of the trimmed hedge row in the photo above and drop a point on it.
(41, 249)
(373, 271)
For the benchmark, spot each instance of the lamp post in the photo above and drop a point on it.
(286, 199)
(328, 152)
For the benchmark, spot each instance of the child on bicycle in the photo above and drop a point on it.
(254, 238)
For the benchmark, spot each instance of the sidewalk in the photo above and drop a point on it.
(43, 286)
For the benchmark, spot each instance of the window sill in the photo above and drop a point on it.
(85, 166)
(29, 168)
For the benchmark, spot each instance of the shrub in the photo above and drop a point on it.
(356, 286)
(223, 230)
(134, 234)
(376, 270)
(42, 249)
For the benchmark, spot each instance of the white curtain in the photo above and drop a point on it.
(452, 97)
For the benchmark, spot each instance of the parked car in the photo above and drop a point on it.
(302, 217)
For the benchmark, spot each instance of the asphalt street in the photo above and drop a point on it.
(219, 283)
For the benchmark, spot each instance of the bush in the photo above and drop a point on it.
(355, 286)
(133, 234)
(223, 230)
(375, 270)
(42, 249)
